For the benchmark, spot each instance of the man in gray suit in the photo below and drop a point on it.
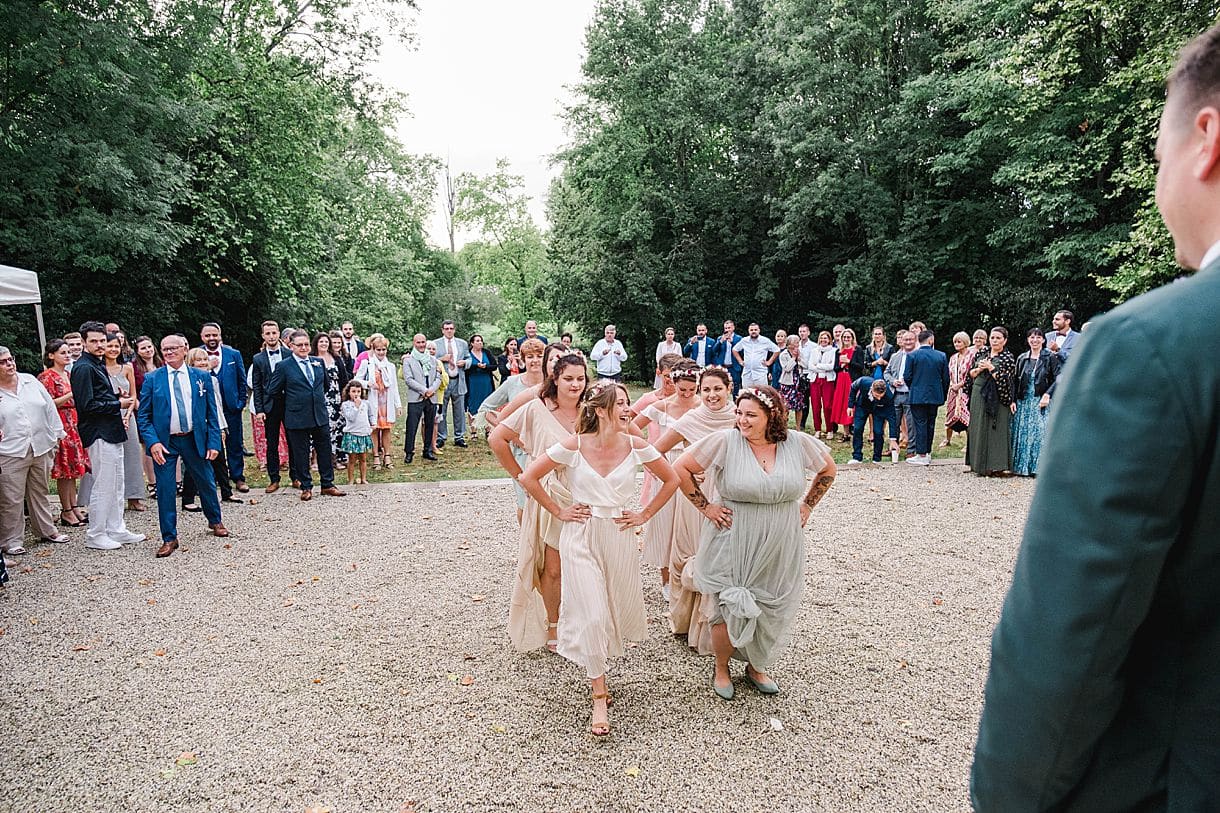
(896, 377)
(1103, 692)
(422, 377)
(451, 352)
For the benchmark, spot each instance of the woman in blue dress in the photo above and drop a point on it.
(479, 381)
(1036, 371)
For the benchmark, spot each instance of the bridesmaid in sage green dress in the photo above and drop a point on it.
(751, 562)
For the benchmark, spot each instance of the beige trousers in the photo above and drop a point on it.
(23, 480)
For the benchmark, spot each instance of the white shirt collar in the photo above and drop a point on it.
(1211, 256)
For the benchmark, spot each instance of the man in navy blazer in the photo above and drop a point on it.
(177, 421)
(927, 377)
(229, 372)
(700, 346)
(301, 379)
(722, 352)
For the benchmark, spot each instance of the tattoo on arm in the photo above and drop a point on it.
(818, 490)
(697, 499)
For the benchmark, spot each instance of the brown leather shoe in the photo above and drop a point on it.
(219, 529)
(334, 492)
(167, 548)
(241, 486)
(271, 488)
(306, 496)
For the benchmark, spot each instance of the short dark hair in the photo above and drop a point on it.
(209, 324)
(924, 335)
(565, 336)
(92, 326)
(1003, 331)
(51, 349)
(447, 323)
(1066, 314)
(1195, 78)
(271, 322)
(1035, 331)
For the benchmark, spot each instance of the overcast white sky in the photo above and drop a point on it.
(486, 80)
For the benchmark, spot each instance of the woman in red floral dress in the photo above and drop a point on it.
(71, 461)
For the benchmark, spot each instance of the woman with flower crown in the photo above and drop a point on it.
(751, 563)
(603, 603)
(712, 415)
(656, 418)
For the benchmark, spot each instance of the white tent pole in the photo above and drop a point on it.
(42, 331)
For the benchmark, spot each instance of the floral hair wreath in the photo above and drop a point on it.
(598, 387)
(683, 375)
(758, 395)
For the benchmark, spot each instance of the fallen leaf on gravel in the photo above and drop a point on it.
(33, 622)
(902, 664)
(227, 546)
(317, 680)
(81, 648)
(316, 579)
(151, 602)
(904, 723)
(478, 597)
(425, 517)
(469, 657)
(252, 502)
(352, 566)
(43, 553)
(873, 488)
(776, 725)
(632, 644)
(632, 771)
(144, 582)
(499, 729)
(3, 630)
(464, 546)
(355, 606)
(93, 578)
(467, 680)
(187, 758)
(288, 602)
(407, 807)
(888, 498)
(452, 677)
(317, 809)
(937, 601)
(168, 773)
(27, 570)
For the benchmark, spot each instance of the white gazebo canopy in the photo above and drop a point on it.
(20, 287)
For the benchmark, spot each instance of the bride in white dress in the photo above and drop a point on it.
(602, 598)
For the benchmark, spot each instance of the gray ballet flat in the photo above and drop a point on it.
(763, 686)
(723, 694)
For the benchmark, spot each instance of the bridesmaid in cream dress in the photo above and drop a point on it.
(714, 414)
(657, 417)
(603, 599)
(751, 563)
(544, 420)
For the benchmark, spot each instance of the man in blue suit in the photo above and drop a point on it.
(301, 379)
(229, 372)
(699, 347)
(177, 421)
(722, 353)
(927, 377)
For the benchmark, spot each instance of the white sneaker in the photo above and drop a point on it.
(853, 462)
(128, 538)
(102, 543)
(920, 460)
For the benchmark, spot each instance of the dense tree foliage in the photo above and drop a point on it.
(963, 163)
(163, 164)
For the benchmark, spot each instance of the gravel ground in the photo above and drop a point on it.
(351, 655)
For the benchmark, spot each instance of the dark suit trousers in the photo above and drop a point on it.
(273, 423)
(924, 418)
(200, 471)
(235, 445)
(420, 411)
(220, 471)
(880, 419)
(298, 444)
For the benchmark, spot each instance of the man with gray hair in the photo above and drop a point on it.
(609, 354)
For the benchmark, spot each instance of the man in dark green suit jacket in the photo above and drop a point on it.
(1104, 690)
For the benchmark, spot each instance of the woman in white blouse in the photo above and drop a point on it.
(822, 384)
(667, 346)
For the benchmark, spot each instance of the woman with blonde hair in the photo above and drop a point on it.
(380, 379)
(602, 603)
(957, 404)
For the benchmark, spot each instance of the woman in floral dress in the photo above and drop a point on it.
(71, 461)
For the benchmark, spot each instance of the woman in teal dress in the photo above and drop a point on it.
(750, 567)
(1036, 371)
(479, 381)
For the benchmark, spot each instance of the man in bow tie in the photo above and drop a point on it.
(229, 374)
(268, 409)
(177, 421)
(301, 379)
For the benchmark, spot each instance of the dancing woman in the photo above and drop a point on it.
(603, 602)
(546, 419)
(713, 415)
(533, 352)
(658, 417)
(751, 563)
(665, 364)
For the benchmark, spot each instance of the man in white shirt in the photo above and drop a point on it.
(1061, 338)
(453, 353)
(609, 355)
(755, 354)
(30, 430)
(808, 351)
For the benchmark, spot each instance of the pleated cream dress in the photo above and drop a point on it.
(686, 529)
(603, 597)
(538, 430)
(752, 575)
(658, 533)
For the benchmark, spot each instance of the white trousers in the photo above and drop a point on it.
(106, 498)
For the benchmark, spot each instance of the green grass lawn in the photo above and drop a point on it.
(477, 462)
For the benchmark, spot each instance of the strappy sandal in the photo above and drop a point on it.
(598, 728)
(63, 515)
(552, 644)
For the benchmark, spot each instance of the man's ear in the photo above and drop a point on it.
(1207, 125)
